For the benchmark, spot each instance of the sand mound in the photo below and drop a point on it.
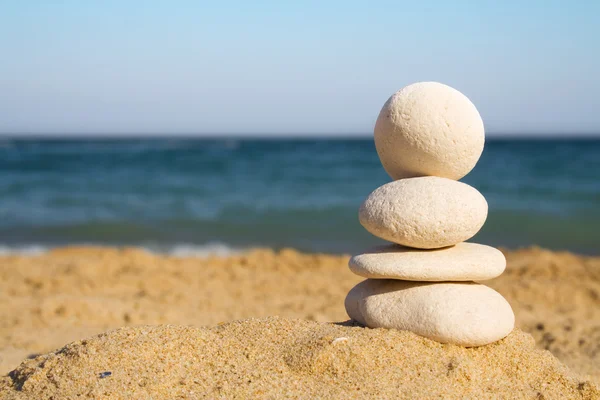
(277, 357)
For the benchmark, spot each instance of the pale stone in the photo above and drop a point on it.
(466, 314)
(463, 262)
(427, 212)
(429, 129)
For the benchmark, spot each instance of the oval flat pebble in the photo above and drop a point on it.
(463, 262)
(427, 212)
(466, 314)
(429, 129)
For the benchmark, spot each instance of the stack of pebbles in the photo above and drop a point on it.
(428, 136)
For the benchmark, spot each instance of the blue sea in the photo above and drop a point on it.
(188, 196)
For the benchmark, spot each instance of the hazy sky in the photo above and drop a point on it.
(291, 67)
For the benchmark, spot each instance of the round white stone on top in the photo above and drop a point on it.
(462, 262)
(427, 212)
(429, 129)
(466, 314)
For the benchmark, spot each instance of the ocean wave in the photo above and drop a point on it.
(25, 250)
(202, 251)
(211, 249)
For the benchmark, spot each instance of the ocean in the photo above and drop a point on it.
(198, 196)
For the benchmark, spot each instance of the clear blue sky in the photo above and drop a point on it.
(270, 67)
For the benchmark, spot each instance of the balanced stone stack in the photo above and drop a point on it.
(428, 136)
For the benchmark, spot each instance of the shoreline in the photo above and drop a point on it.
(70, 293)
(222, 249)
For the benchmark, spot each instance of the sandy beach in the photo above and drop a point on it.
(69, 294)
(299, 200)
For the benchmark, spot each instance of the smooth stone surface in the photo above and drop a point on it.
(466, 314)
(463, 262)
(429, 129)
(426, 212)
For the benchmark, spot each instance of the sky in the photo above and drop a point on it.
(291, 68)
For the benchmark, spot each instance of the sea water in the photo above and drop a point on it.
(198, 196)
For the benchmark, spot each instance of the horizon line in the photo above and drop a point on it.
(238, 136)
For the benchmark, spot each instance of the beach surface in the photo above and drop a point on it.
(69, 294)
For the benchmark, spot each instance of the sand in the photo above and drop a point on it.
(68, 294)
(276, 357)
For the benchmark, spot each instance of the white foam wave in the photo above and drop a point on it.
(212, 249)
(29, 250)
(203, 251)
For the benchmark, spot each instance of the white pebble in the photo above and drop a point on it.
(429, 129)
(426, 213)
(340, 339)
(466, 314)
(463, 262)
